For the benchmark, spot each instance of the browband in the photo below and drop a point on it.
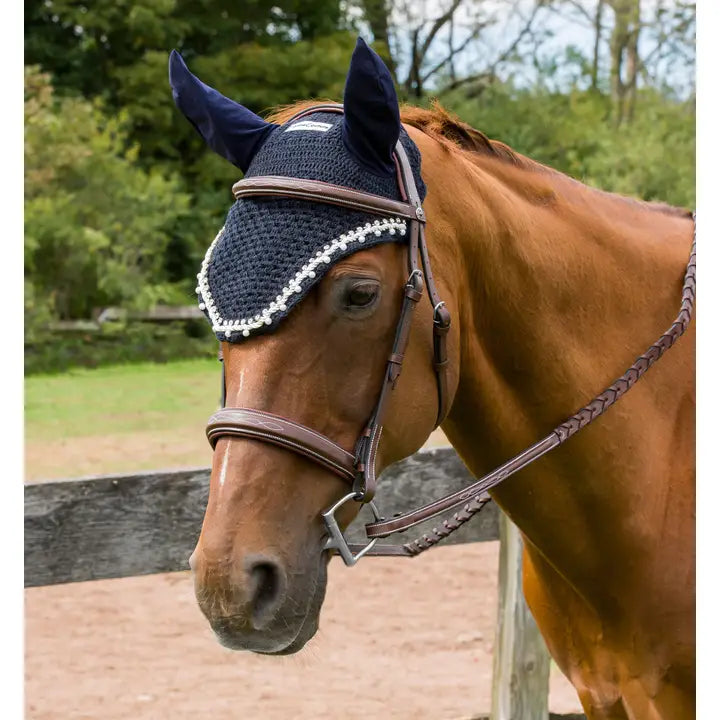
(318, 191)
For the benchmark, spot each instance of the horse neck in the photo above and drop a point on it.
(560, 288)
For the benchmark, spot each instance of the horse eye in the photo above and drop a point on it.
(361, 294)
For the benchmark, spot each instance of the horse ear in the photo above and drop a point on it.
(371, 124)
(231, 130)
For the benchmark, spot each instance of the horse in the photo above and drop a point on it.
(554, 287)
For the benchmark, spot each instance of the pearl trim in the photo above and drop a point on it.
(294, 285)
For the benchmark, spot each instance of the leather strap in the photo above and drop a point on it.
(366, 449)
(411, 209)
(441, 315)
(381, 550)
(359, 469)
(475, 496)
(476, 491)
(330, 107)
(267, 427)
(318, 191)
(441, 328)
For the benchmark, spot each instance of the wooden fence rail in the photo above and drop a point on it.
(123, 525)
(115, 526)
(157, 314)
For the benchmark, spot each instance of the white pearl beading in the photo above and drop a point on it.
(264, 317)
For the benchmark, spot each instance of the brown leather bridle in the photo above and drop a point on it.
(357, 468)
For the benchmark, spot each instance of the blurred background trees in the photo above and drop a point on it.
(122, 198)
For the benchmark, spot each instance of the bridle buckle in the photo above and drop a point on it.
(441, 316)
(414, 285)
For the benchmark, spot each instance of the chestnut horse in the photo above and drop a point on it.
(554, 289)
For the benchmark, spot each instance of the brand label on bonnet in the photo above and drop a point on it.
(310, 125)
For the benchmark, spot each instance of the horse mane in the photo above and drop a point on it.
(457, 136)
(441, 125)
(438, 124)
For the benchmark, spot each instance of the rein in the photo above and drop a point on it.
(357, 468)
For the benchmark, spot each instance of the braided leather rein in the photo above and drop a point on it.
(477, 492)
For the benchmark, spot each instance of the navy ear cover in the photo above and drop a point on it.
(371, 124)
(231, 130)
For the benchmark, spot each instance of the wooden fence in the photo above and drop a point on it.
(124, 525)
(158, 314)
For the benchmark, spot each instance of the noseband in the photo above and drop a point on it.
(357, 468)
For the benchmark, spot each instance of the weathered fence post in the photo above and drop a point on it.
(521, 666)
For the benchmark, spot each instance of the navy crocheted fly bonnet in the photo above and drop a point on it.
(272, 251)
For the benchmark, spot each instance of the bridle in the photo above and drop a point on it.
(357, 468)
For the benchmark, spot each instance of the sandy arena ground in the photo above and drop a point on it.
(398, 640)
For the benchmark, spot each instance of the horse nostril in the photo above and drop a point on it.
(267, 592)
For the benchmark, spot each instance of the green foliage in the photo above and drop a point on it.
(123, 197)
(84, 43)
(652, 158)
(96, 225)
(259, 76)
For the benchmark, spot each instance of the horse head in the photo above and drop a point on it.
(305, 298)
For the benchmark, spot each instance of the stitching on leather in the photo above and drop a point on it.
(236, 430)
(282, 441)
(367, 202)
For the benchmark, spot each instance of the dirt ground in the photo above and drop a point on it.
(398, 640)
(129, 453)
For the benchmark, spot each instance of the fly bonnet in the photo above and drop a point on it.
(272, 251)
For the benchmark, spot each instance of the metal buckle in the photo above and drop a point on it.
(411, 281)
(337, 540)
(438, 321)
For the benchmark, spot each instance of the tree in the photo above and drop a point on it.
(427, 41)
(597, 39)
(84, 43)
(424, 28)
(123, 197)
(96, 225)
(637, 43)
(262, 53)
(377, 15)
(624, 57)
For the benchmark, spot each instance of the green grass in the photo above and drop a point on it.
(120, 399)
(121, 419)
